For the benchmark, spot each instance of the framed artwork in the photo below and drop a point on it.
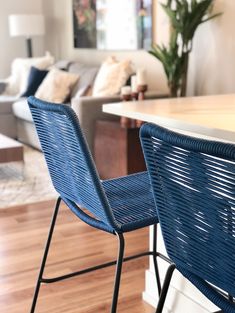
(84, 21)
(112, 24)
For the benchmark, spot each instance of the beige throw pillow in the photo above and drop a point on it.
(111, 77)
(56, 86)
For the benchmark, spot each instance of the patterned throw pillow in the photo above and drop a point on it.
(57, 86)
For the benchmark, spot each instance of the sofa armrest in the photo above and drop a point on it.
(88, 110)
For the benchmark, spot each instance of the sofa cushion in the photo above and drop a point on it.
(21, 110)
(87, 76)
(35, 78)
(6, 104)
(57, 86)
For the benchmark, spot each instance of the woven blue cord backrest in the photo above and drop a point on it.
(194, 191)
(68, 158)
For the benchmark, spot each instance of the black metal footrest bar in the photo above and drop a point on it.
(93, 268)
(97, 267)
(163, 257)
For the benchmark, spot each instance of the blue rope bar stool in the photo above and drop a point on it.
(193, 182)
(115, 206)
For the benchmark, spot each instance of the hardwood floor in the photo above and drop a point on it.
(23, 231)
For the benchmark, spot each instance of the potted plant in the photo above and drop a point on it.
(185, 17)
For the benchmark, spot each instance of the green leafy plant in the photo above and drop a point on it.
(185, 17)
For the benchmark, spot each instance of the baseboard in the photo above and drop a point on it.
(178, 301)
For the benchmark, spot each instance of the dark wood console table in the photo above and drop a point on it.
(117, 150)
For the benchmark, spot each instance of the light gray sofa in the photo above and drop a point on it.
(16, 120)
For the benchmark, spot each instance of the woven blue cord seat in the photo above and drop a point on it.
(124, 196)
(131, 201)
(193, 183)
(115, 206)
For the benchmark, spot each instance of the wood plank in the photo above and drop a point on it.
(23, 231)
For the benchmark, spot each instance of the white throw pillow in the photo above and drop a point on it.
(56, 86)
(17, 82)
(111, 77)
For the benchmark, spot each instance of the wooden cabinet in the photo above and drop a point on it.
(117, 150)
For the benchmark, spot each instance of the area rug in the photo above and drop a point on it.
(25, 183)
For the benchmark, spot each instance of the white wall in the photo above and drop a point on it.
(16, 47)
(212, 63)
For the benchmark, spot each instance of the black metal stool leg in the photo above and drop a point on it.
(155, 259)
(118, 272)
(165, 288)
(53, 221)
